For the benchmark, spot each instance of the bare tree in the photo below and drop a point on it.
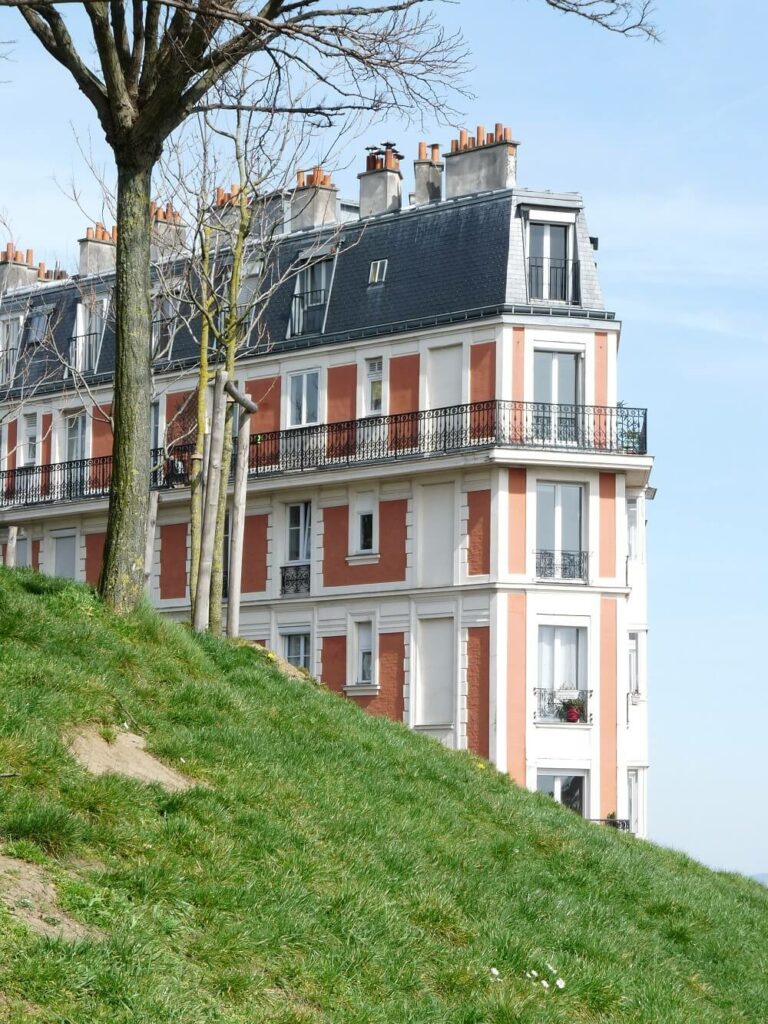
(155, 64)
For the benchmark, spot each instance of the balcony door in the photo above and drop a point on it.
(76, 469)
(560, 532)
(444, 427)
(550, 264)
(557, 395)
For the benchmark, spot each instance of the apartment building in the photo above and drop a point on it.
(446, 498)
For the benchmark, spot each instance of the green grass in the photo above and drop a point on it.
(338, 869)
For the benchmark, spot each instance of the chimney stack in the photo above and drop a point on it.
(169, 233)
(17, 268)
(381, 182)
(314, 200)
(428, 173)
(481, 162)
(97, 251)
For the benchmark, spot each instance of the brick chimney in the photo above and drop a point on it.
(428, 174)
(97, 251)
(169, 233)
(17, 269)
(481, 162)
(381, 182)
(314, 200)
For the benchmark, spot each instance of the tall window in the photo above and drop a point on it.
(364, 632)
(37, 325)
(557, 394)
(297, 650)
(30, 439)
(634, 665)
(374, 386)
(9, 347)
(551, 269)
(633, 799)
(87, 345)
(566, 789)
(304, 390)
(560, 532)
(310, 297)
(633, 528)
(562, 658)
(300, 532)
(363, 525)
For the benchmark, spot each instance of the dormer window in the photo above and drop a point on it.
(87, 344)
(553, 273)
(9, 347)
(309, 299)
(38, 323)
(378, 272)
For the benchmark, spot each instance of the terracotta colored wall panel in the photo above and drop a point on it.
(518, 364)
(403, 398)
(389, 700)
(479, 533)
(254, 578)
(180, 417)
(608, 706)
(35, 563)
(335, 662)
(601, 368)
(173, 560)
(94, 553)
(482, 388)
(517, 486)
(101, 446)
(608, 524)
(392, 535)
(265, 391)
(478, 681)
(46, 443)
(516, 687)
(342, 405)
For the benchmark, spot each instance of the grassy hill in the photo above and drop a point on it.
(333, 868)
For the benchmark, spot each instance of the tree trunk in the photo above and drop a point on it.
(10, 547)
(213, 482)
(149, 547)
(122, 578)
(217, 566)
(238, 525)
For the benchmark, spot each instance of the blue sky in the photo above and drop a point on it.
(668, 145)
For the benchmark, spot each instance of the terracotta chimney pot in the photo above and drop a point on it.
(507, 134)
(463, 138)
(422, 151)
(480, 135)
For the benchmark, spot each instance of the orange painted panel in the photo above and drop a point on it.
(254, 579)
(101, 446)
(94, 553)
(180, 417)
(478, 683)
(173, 560)
(518, 364)
(404, 399)
(265, 391)
(482, 388)
(335, 662)
(388, 702)
(608, 524)
(601, 368)
(342, 405)
(392, 534)
(608, 706)
(479, 533)
(35, 563)
(46, 444)
(517, 486)
(516, 687)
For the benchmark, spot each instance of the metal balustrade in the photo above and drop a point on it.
(622, 824)
(295, 579)
(562, 565)
(553, 705)
(381, 439)
(307, 311)
(553, 279)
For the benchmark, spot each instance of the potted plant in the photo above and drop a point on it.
(572, 709)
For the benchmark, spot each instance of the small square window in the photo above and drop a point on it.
(297, 651)
(378, 272)
(366, 531)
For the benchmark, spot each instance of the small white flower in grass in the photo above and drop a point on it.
(560, 983)
(534, 974)
(545, 983)
(183, 760)
(551, 969)
(494, 972)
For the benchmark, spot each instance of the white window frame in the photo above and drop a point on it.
(304, 635)
(634, 529)
(305, 421)
(374, 373)
(558, 774)
(38, 311)
(363, 503)
(582, 657)
(377, 274)
(548, 221)
(85, 311)
(367, 620)
(10, 341)
(633, 657)
(305, 532)
(24, 452)
(558, 538)
(364, 644)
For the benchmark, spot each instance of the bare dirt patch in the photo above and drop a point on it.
(30, 897)
(124, 756)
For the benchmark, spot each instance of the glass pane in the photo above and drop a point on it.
(542, 376)
(375, 399)
(307, 532)
(294, 533)
(296, 400)
(537, 240)
(313, 386)
(634, 685)
(632, 527)
(558, 241)
(583, 674)
(366, 665)
(545, 517)
(546, 657)
(366, 531)
(546, 784)
(572, 792)
(566, 659)
(566, 373)
(570, 517)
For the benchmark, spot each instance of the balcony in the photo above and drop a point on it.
(307, 311)
(84, 352)
(565, 705)
(563, 565)
(553, 280)
(622, 824)
(431, 433)
(295, 579)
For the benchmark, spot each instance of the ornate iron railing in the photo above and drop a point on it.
(564, 705)
(562, 565)
(84, 351)
(554, 280)
(377, 439)
(622, 824)
(295, 579)
(307, 311)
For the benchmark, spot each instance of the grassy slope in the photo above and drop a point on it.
(340, 869)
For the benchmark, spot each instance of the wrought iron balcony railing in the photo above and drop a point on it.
(84, 351)
(564, 705)
(622, 824)
(295, 579)
(562, 565)
(307, 311)
(379, 439)
(553, 280)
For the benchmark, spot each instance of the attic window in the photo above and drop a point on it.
(378, 272)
